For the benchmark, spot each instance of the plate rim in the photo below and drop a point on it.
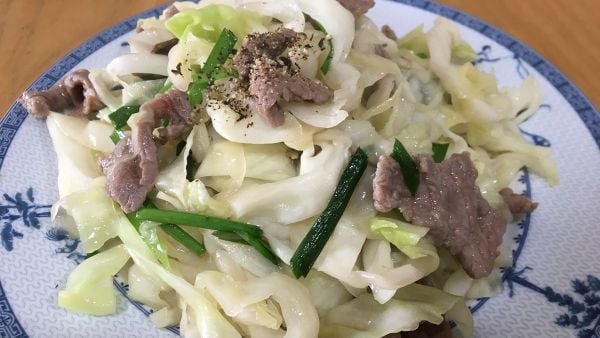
(16, 114)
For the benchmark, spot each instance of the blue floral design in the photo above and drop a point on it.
(582, 310)
(20, 208)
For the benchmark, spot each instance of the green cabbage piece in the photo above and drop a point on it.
(93, 214)
(89, 287)
(208, 22)
(149, 233)
(402, 235)
(365, 317)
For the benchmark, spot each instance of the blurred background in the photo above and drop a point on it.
(34, 34)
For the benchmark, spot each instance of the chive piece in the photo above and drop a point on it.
(195, 220)
(218, 55)
(327, 63)
(410, 172)
(184, 238)
(220, 52)
(134, 221)
(229, 236)
(260, 246)
(164, 123)
(120, 116)
(117, 135)
(196, 90)
(439, 151)
(313, 243)
(166, 87)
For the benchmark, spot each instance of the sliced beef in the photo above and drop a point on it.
(426, 330)
(389, 32)
(74, 94)
(449, 203)
(269, 85)
(164, 47)
(357, 7)
(173, 106)
(270, 79)
(518, 205)
(268, 45)
(131, 169)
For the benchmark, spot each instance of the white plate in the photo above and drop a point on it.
(552, 289)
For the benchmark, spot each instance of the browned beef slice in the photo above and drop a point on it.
(131, 169)
(74, 94)
(268, 45)
(174, 106)
(269, 84)
(518, 205)
(357, 7)
(388, 185)
(389, 32)
(426, 330)
(449, 203)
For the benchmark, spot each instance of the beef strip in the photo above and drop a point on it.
(74, 94)
(164, 47)
(449, 203)
(132, 168)
(174, 106)
(518, 205)
(269, 84)
(357, 7)
(268, 45)
(426, 330)
(271, 80)
(389, 32)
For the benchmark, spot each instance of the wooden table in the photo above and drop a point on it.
(36, 33)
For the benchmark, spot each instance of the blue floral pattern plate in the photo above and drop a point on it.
(552, 288)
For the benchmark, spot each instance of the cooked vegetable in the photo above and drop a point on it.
(183, 237)
(313, 243)
(439, 151)
(120, 116)
(260, 246)
(221, 51)
(327, 63)
(410, 172)
(229, 236)
(194, 220)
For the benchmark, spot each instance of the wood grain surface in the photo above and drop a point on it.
(36, 33)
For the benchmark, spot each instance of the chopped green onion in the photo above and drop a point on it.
(117, 135)
(164, 123)
(410, 172)
(229, 236)
(218, 55)
(220, 52)
(184, 238)
(195, 220)
(196, 90)
(327, 63)
(166, 87)
(260, 246)
(120, 116)
(313, 243)
(439, 151)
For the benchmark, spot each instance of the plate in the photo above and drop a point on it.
(552, 288)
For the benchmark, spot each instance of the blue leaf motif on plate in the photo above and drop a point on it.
(17, 208)
(582, 310)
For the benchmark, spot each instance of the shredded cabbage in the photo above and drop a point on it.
(89, 287)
